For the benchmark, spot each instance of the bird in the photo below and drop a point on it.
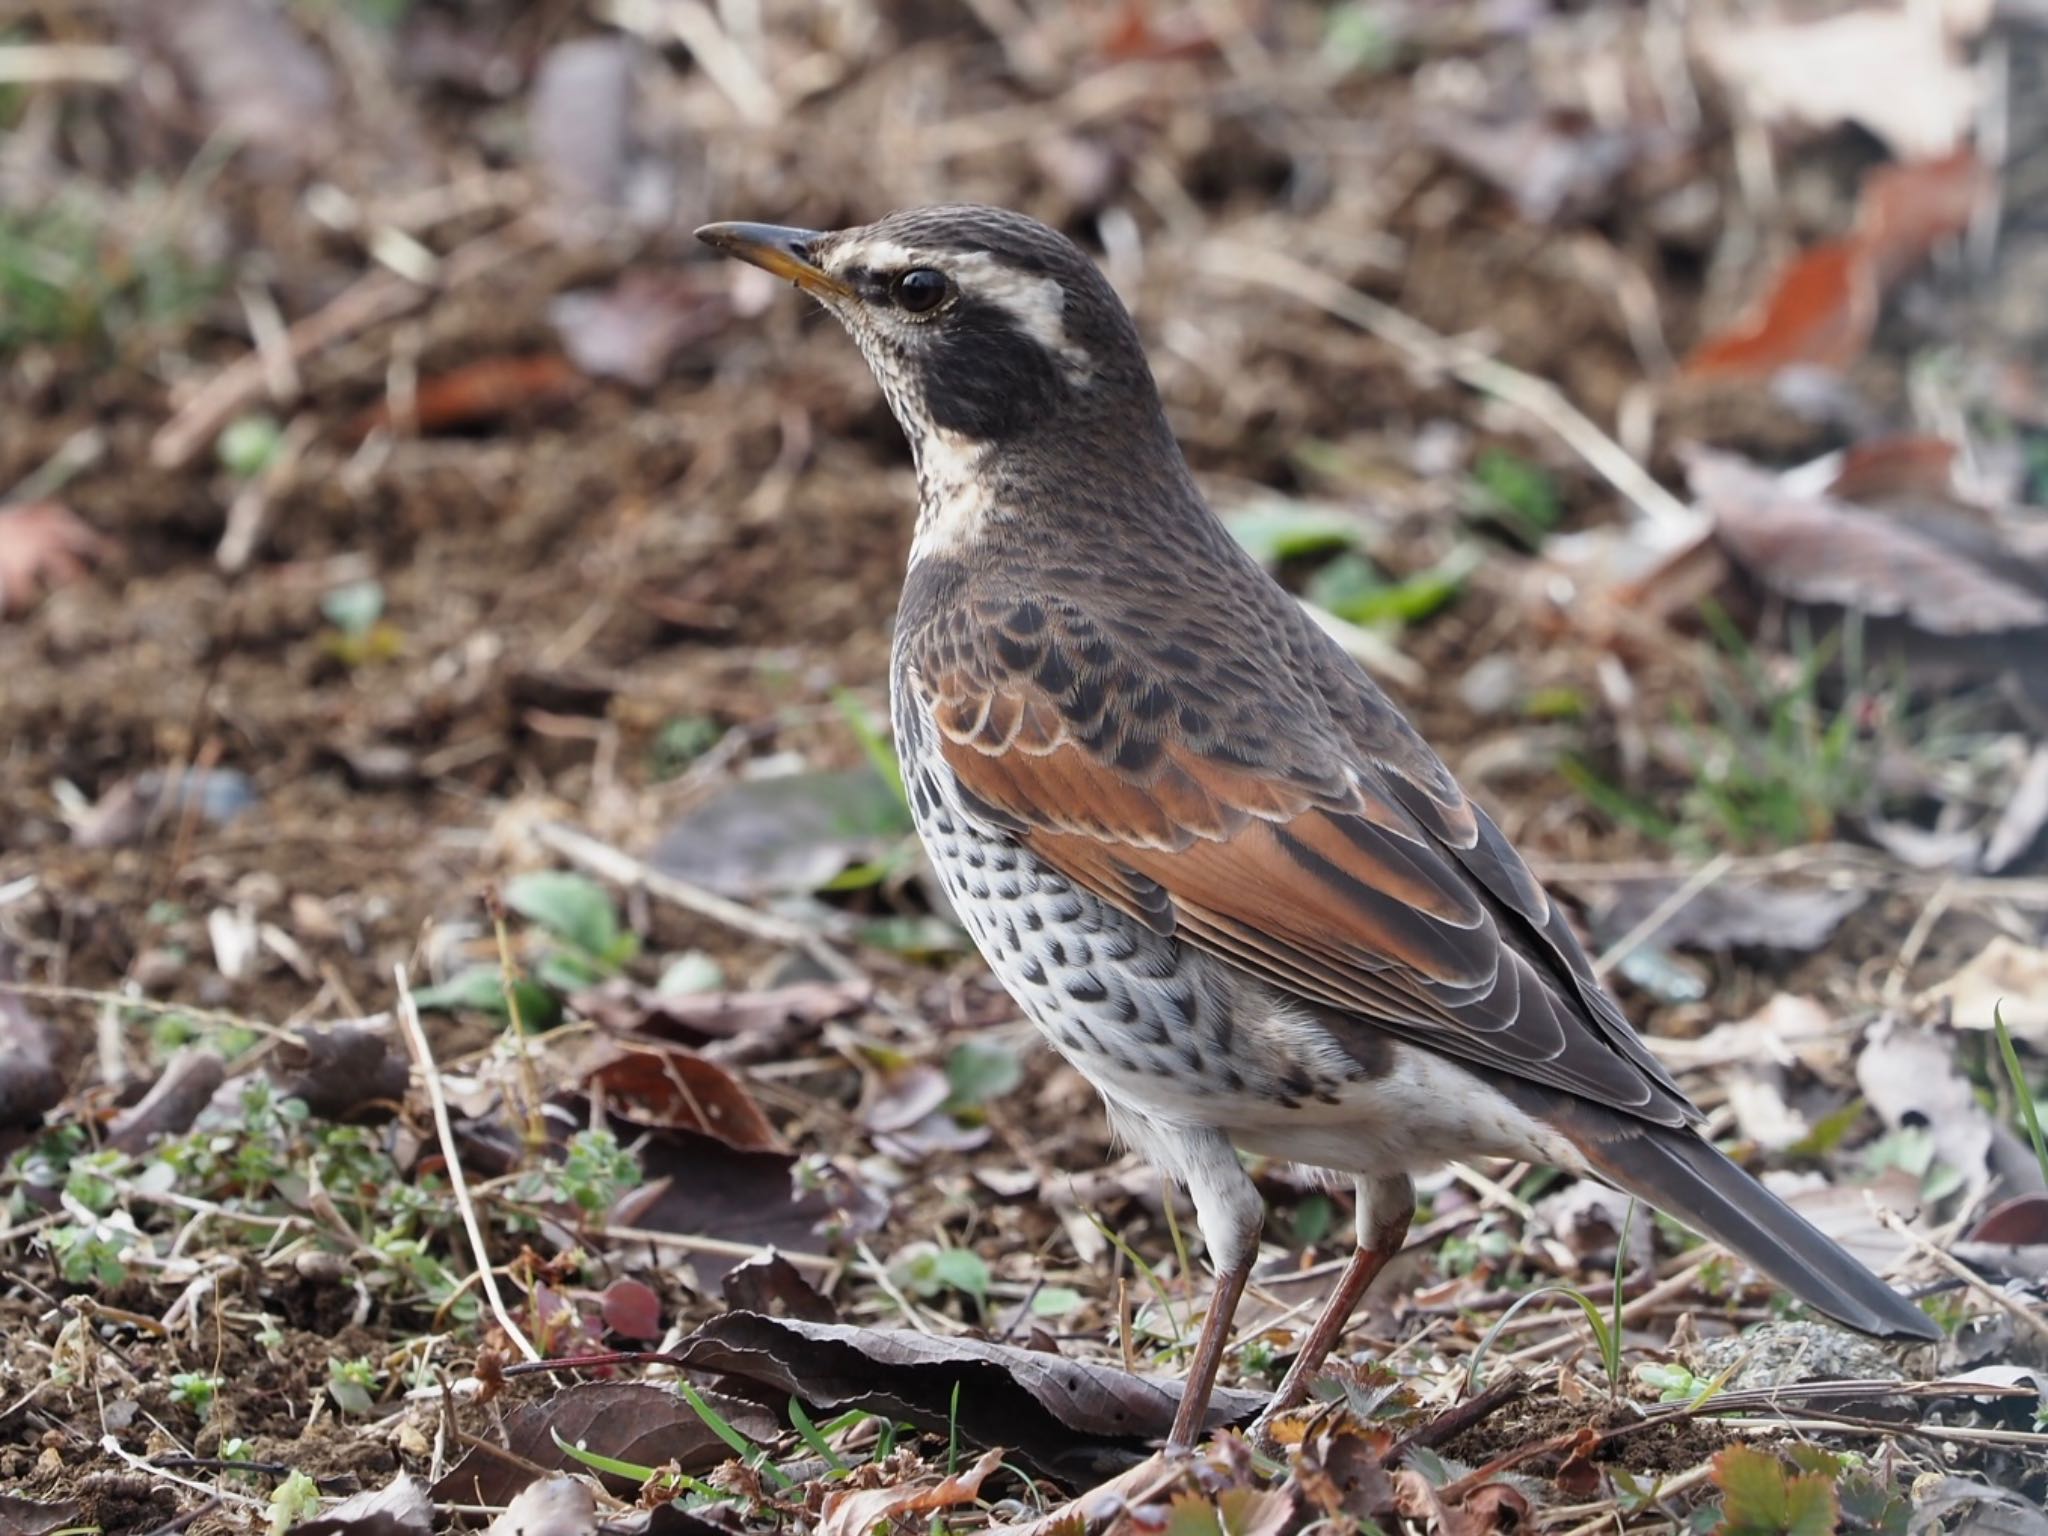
(1205, 853)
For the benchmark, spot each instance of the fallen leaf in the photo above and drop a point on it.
(630, 330)
(579, 123)
(2005, 977)
(769, 1284)
(1962, 1506)
(627, 1421)
(2021, 1222)
(258, 82)
(1904, 212)
(670, 1086)
(856, 1512)
(555, 1506)
(778, 1014)
(1727, 915)
(1815, 549)
(1486, 1509)
(1909, 1076)
(479, 392)
(341, 1072)
(20, 1516)
(2019, 825)
(1888, 466)
(1893, 69)
(184, 1087)
(702, 1187)
(44, 545)
(794, 832)
(400, 1508)
(1787, 1030)
(1823, 307)
(135, 807)
(1820, 313)
(1061, 1417)
(903, 1095)
(30, 1082)
(631, 1309)
(1546, 165)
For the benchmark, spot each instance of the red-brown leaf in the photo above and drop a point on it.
(1819, 314)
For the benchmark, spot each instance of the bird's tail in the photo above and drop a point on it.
(1680, 1173)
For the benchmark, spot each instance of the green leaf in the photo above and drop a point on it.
(248, 445)
(689, 973)
(354, 607)
(570, 906)
(924, 1270)
(481, 989)
(962, 1270)
(1055, 1301)
(1518, 492)
(1351, 588)
(1273, 531)
(980, 1070)
(1762, 1496)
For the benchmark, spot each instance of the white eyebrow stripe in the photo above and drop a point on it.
(876, 255)
(1037, 304)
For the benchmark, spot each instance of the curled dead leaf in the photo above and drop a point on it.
(856, 1512)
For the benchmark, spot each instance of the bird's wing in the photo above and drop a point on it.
(1294, 825)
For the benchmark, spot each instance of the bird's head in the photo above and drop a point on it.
(984, 327)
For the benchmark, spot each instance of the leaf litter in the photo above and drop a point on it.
(627, 556)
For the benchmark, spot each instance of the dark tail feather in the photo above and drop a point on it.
(1682, 1175)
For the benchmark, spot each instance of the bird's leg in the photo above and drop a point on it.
(1385, 1207)
(1230, 1213)
(1194, 1392)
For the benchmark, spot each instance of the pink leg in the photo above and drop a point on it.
(1194, 1393)
(1385, 1207)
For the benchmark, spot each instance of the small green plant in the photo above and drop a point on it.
(196, 1392)
(594, 1173)
(977, 1072)
(753, 1455)
(581, 941)
(679, 743)
(249, 445)
(1517, 493)
(89, 1255)
(1355, 590)
(1607, 1334)
(925, 1270)
(292, 1501)
(353, 1384)
(2022, 1090)
(77, 272)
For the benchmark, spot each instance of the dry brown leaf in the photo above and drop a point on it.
(857, 1512)
(2006, 977)
(657, 1084)
(1819, 314)
(1815, 549)
(626, 1420)
(1059, 1416)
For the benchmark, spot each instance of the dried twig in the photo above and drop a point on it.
(1664, 512)
(458, 1182)
(375, 297)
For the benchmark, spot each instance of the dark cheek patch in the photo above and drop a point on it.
(985, 379)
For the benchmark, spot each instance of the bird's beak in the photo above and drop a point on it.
(784, 252)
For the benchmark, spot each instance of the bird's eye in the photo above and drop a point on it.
(920, 289)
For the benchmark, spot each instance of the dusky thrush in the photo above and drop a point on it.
(1198, 845)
